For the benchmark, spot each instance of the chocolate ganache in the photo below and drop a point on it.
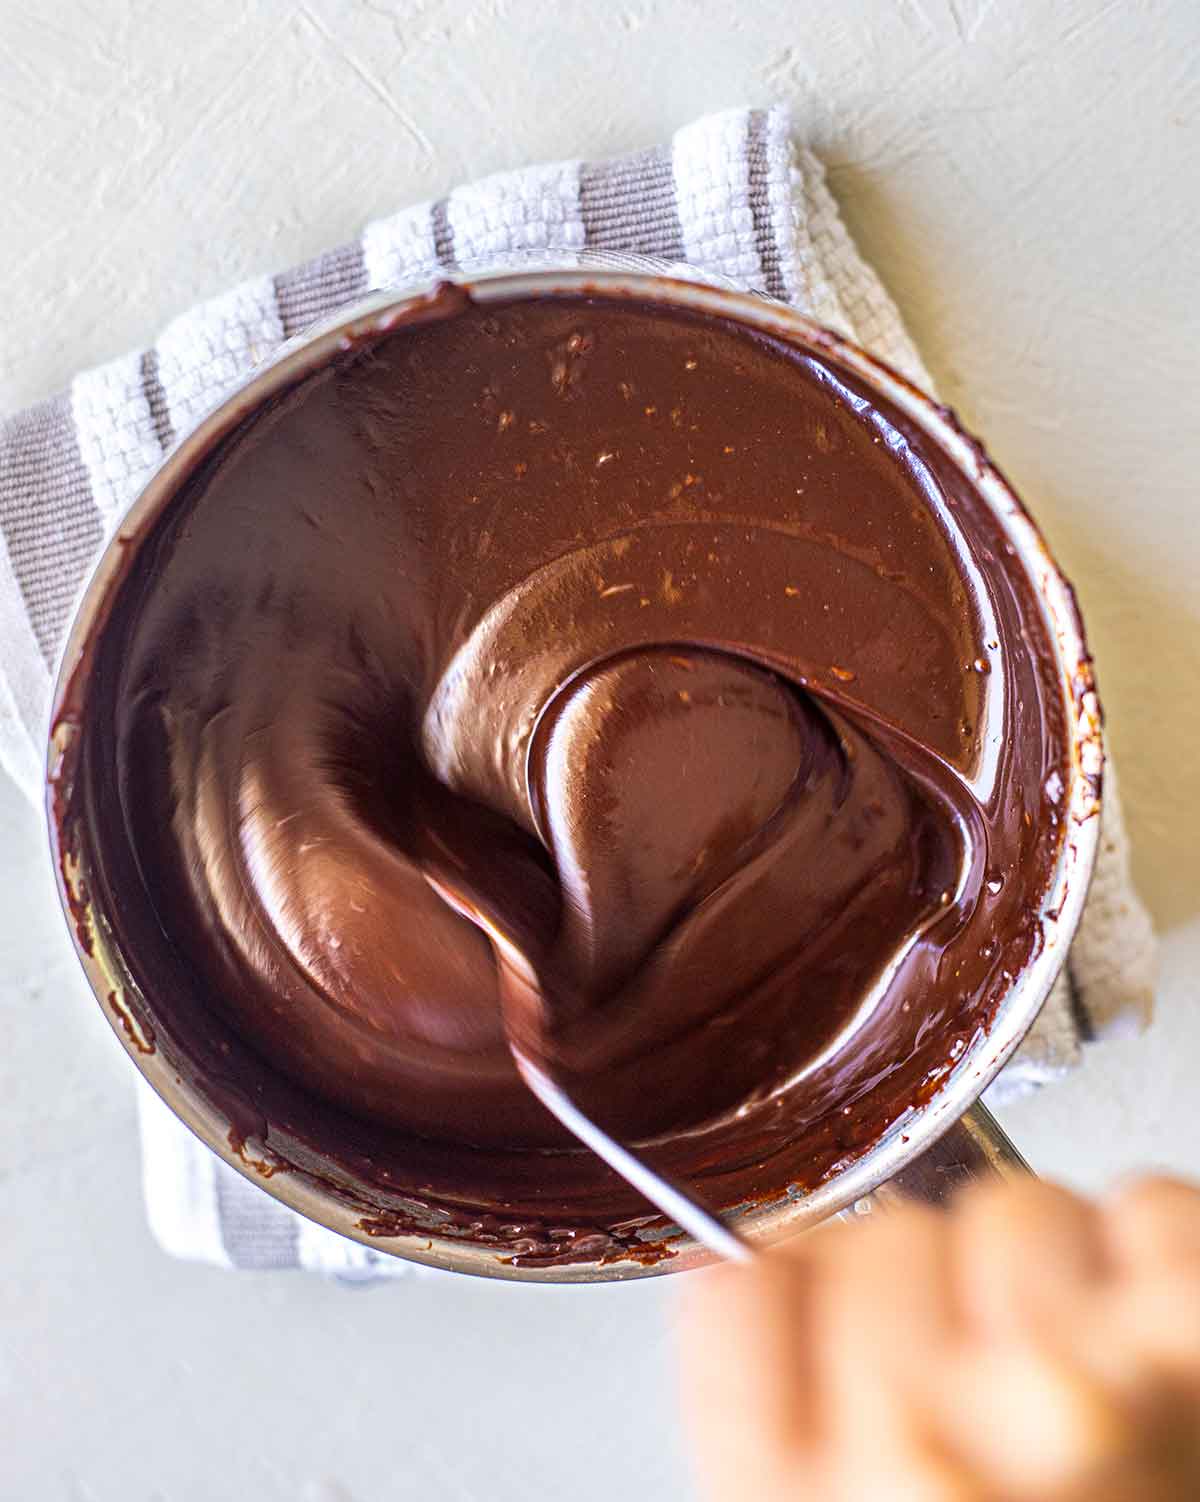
(719, 670)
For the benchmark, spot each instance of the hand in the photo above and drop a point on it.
(1027, 1345)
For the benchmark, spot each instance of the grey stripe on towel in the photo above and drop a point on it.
(443, 235)
(256, 1231)
(308, 292)
(156, 400)
(760, 206)
(629, 205)
(47, 515)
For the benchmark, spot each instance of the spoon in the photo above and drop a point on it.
(523, 1008)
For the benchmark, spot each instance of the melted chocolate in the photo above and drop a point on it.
(720, 672)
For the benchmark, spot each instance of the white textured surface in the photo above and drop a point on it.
(1026, 177)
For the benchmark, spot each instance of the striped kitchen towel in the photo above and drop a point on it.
(731, 196)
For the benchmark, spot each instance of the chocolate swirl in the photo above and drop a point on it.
(720, 671)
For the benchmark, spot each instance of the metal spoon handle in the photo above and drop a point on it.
(702, 1224)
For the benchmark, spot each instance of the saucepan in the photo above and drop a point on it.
(937, 1144)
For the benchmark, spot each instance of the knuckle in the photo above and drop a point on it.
(1157, 1219)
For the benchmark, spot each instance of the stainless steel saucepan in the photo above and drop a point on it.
(949, 1138)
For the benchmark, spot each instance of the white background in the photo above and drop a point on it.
(1026, 177)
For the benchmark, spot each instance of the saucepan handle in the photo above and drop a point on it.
(976, 1148)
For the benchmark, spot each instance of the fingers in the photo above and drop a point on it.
(1025, 1254)
(795, 1369)
(884, 1325)
(1156, 1324)
(882, 1321)
(1032, 1423)
(1027, 1343)
(1154, 1229)
(1154, 1225)
(748, 1373)
(1033, 1266)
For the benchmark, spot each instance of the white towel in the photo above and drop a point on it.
(732, 196)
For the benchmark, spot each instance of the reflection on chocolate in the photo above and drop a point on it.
(719, 669)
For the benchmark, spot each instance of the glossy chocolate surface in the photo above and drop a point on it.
(719, 671)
